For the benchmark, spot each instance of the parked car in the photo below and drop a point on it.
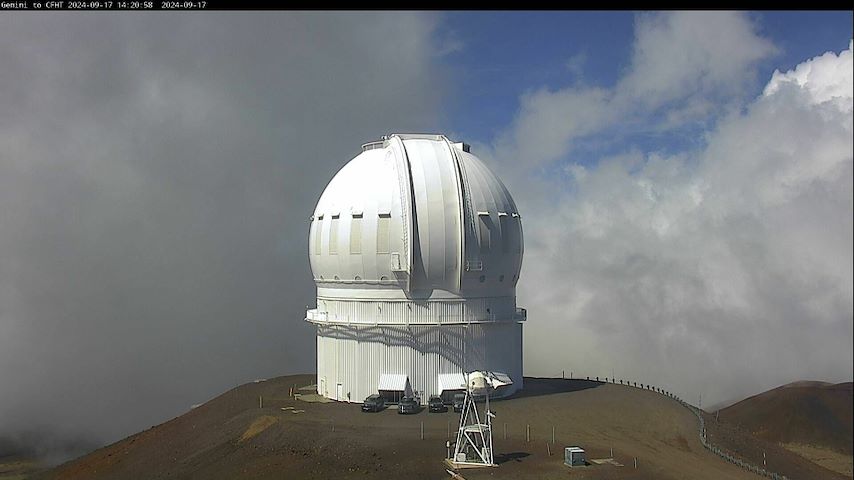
(408, 405)
(436, 404)
(459, 400)
(374, 403)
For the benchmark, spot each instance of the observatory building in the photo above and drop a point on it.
(415, 247)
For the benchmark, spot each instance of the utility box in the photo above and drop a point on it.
(574, 456)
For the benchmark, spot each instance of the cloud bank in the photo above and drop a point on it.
(719, 268)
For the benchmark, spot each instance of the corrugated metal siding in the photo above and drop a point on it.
(407, 312)
(356, 356)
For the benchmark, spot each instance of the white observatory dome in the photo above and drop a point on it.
(415, 247)
(415, 216)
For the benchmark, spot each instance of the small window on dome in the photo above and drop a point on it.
(333, 236)
(356, 235)
(383, 278)
(383, 226)
(485, 231)
(336, 278)
(357, 278)
(318, 234)
(508, 232)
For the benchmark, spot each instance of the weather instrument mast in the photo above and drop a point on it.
(474, 438)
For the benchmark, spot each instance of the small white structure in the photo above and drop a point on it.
(415, 247)
(474, 437)
(574, 456)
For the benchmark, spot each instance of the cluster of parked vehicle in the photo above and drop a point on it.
(408, 405)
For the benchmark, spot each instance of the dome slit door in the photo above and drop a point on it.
(407, 205)
(468, 256)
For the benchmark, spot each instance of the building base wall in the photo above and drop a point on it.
(351, 358)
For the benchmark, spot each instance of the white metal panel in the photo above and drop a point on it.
(500, 251)
(451, 381)
(503, 378)
(367, 185)
(438, 214)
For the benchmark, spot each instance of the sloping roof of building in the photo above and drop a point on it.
(394, 382)
(452, 381)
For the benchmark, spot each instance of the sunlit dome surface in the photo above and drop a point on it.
(417, 215)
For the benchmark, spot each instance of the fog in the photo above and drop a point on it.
(157, 174)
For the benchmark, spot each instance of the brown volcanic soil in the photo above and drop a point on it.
(811, 413)
(750, 448)
(17, 468)
(230, 437)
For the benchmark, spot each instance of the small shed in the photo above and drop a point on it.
(393, 387)
(574, 456)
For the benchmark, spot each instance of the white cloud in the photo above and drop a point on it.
(693, 64)
(825, 78)
(687, 54)
(549, 121)
(725, 269)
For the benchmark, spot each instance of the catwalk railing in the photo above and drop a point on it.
(316, 316)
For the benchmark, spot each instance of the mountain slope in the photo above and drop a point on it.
(231, 437)
(808, 413)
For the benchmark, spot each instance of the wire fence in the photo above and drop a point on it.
(702, 427)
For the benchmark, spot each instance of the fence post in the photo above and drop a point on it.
(528, 433)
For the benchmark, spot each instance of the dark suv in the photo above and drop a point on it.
(373, 403)
(459, 400)
(437, 405)
(408, 405)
